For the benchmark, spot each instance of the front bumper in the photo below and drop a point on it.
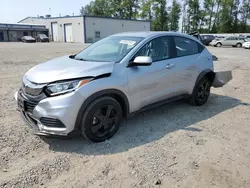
(63, 108)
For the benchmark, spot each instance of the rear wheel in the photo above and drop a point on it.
(101, 120)
(201, 92)
(238, 45)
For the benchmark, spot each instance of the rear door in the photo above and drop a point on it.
(150, 84)
(234, 41)
(187, 64)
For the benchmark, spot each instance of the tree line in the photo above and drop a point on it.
(207, 16)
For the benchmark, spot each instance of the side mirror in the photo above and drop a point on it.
(141, 61)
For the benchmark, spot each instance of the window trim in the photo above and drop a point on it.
(171, 51)
(188, 39)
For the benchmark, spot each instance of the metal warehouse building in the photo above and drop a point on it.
(86, 29)
(14, 32)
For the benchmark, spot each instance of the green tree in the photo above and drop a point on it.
(130, 8)
(146, 9)
(160, 22)
(97, 8)
(116, 9)
(217, 13)
(174, 16)
(194, 14)
(209, 6)
(245, 15)
(226, 18)
(235, 14)
(184, 16)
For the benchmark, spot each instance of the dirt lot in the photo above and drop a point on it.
(177, 145)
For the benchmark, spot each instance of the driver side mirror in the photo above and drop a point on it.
(141, 61)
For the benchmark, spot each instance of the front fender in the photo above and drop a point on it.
(222, 78)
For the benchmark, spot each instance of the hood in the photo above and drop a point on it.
(247, 42)
(66, 68)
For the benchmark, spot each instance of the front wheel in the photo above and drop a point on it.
(101, 120)
(201, 92)
(218, 44)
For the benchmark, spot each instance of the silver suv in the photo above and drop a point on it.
(112, 79)
(233, 41)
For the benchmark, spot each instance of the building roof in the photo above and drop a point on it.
(22, 24)
(17, 26)
(85, 16)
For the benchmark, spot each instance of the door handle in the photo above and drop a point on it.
(169, 66)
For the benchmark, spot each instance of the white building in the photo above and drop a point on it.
(86, 29)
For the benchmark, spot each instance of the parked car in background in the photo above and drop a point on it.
(206, 39)
(42, 38)
(247, 37)
(28, 39)
(246, 45)
(233, 41)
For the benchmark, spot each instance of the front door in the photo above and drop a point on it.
(150, 84)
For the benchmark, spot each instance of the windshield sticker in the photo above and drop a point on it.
(128, 42)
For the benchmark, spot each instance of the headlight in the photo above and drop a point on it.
(65, 87)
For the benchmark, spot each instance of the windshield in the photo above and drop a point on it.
(42, 36)
(112, 48)
(28, 37)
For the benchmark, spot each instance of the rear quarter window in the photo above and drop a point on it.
(185, 46)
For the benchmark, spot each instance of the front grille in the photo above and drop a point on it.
(51, 122)
(31, 88)
(32, 91)
(29, 106)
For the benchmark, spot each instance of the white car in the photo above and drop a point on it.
(246, 45)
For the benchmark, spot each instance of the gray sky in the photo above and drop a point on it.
(13, 11)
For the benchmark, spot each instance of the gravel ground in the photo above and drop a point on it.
(175, 145)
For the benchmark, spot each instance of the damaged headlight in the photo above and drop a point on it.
(65, 87)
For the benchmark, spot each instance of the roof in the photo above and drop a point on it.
(85, 16)
(28, 27)
(153, 33)
(22, 24)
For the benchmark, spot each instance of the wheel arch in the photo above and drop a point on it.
(114, 93)
(207, 73)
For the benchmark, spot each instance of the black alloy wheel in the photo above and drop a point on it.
(201, 92)
(104, 121)
(101, 120)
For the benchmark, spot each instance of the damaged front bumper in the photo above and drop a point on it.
(222, 78)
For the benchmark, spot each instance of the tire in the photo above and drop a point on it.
(218, 44)
(101, 120)
(238, 45)
(200, 97)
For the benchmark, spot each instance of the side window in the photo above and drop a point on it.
(158, 49)
(185, 46)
